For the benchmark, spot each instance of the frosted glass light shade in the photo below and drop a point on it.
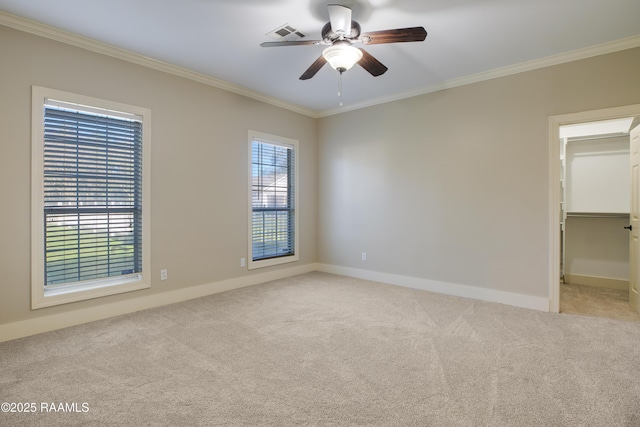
(342, 57)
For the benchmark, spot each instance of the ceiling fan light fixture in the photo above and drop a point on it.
(342, 56)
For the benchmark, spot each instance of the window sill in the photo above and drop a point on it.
(271, 261)
(68, 294)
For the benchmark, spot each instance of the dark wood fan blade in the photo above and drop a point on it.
(314, 68)
(371, 64)
(291, 43)
(414, 34)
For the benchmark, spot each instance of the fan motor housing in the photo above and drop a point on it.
(329, 36)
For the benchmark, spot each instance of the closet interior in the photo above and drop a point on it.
(596, 189)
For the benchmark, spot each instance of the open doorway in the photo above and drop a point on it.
(557, 195)
(595, 182)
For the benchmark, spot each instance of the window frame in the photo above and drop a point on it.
(290, 144)
(41, 296)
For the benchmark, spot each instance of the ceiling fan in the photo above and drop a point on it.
(340, 33)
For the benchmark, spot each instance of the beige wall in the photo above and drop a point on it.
(199, 166)
(597, 247)
(452, 186)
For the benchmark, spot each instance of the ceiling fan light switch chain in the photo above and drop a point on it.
(340, 86)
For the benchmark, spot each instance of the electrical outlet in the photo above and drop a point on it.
(364, 256)
(163, 274)
(243, 262)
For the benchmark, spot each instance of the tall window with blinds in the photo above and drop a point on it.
(91, 196)
(273, 200)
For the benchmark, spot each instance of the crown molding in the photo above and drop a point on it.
(575, 55)
(56, 34)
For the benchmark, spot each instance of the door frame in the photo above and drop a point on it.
(554, 184)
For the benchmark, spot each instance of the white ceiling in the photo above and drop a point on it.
(221, 39)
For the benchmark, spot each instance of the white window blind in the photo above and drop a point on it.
(272, 200)
(92, 193)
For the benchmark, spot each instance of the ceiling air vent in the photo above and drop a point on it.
(286, 32)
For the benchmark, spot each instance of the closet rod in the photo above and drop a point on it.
(597, 215)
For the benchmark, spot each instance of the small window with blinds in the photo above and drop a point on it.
(273, 219)
(92, 196)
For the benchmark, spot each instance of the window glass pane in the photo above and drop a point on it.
(272, 201)
(92, 195)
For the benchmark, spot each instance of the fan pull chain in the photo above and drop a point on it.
(340, 87)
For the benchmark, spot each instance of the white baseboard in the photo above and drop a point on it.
(595, 281)
(466, 291)
(52, 322)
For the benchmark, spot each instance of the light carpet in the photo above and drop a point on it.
(596, 301)
(326, 350)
